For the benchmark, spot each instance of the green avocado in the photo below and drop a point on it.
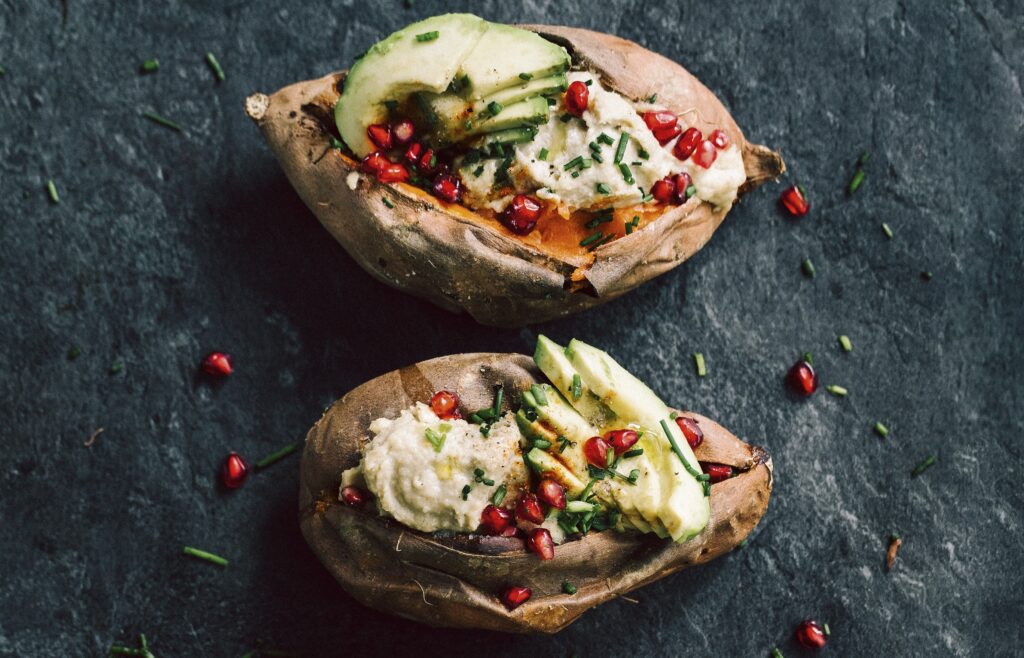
(543, 462)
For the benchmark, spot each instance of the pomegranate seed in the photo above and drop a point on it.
(540, 542)
(234, 471)
(513, 597)
(551, 493)
(495, 519)
(402, 132)
(687, 144)
(795, 201)
(374, 162)
(596, 451)
(810, 634)
(705, 154)
(217, 364)
(380, 135)
(666, 135)
(664, 190)
(445, 405)
(660, 120)
(522, 214)
(412, 154)
(621, 440)
(802, 378)
(429, 163)
(353, 496)
(528, 509)
(392, 173)
(718, 472)
(577, 96)
(682, 183)
(693, 433)
(719, 139)
(447, 188)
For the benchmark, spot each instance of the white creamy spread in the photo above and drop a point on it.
(422, 487)
(611, 115)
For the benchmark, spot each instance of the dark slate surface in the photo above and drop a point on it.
(166, 245)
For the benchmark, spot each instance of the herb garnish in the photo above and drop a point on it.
(564, 443)
(603, 189)
(51, 188)
(436, 440)
(837, 390)
(74, 352)
(627, 175)
(142, 651)
(635, 452)
(620, 150)
(923, 466)
(218, 72)
(499, 495)
(605, 139)
(495, 108)
(652, 98)
(575, 162)
(565, 118)
(116, 367)
(808, 267)
(278, 455)
(858, 178)
(569, 588)
(698, 360)
(577, 386)
(204, 555)
(844, 342)
(465, 492)
(526, 76)
(150, 66)
(881, 430)
(388, 203)
(163, 121)
(597, 157)
(543, 155)
(428, 36)
(590, 239)
(642, 152)
(887, 230)
(599, 219)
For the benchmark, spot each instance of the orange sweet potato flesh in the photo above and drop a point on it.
(465, 261)
(456, 581)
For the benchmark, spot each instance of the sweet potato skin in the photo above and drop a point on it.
(443, 253)
(455, 581)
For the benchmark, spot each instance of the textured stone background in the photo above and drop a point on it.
(166, 245)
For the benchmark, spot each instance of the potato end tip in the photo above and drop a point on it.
(256, 106)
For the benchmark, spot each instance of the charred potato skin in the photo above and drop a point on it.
(438, 252)
(454, 581)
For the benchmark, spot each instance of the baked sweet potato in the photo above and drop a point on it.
(464, 260)
(456, 580)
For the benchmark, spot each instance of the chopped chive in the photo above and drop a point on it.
(163, 121)
(51, 188)
(863, 159)
(539, 395)
(594, 146)
(828, 631)
(634, 475)
(465, 492)
(428, 36)
(652, 98)
(499, 495)
(588, 82)
(204, 555)
(336, 143)
(887, 230)
(605, 139)
(552, 102)
(836, 390)
(590, 239)
(620, 150)
(626, 173)
(479, 170)
(923, 466)
(603, 189)
(218, 72)
(597, 157)
(495, 108)
(564, 443)
(926, 275)
(599, 219)
(572, 164)
(479, 473)
(629, 229)
(635, 452)
(647, 198)
(776, 653)
(575, 174)
(487, 482)
(543, 155)
(690, 190)
(844, 342)
(278, 455)
(435, 439)
(150, 66)
(116, 367)
(74, 352)
(543, 444)
(565, 118)
(698, 360)
(636, 221)
(499, 396)
(569, 588)
(526, 76)
(855, 182)
(808, 267)
(700, 477)
(388, 203)
(577, 387)
(642, 152)
(881, 430)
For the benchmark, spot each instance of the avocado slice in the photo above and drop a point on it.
(542, 462)
(521, 91)
(682, 506)
(505, 52)
(551, 359)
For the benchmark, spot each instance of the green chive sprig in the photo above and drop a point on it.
(543, 155)
(278, 455)
(887, 230)
(881, 430)
(577, 386)
(51, 189)
(844, 342)
(859, 174)
(569, 588)
(74, 352)
(837, 390)
(928, 462)
(204, 555)
(499, 495)
(163, 121)
(591, 239)
(151, 65)
(698, 361)
(218, 72)
(808, 268)
(428, 36)
(620, 150)
(603, 188)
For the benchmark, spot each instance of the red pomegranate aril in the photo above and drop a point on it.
(622, 440)
(528, 509)
(810, 634)
(551, 493)
(705, 154)
(717, 472)
(380, 135)
(664, 190)
(795, 201)
(413, 153)
(687, 144)
(802, 378)
(522, 214)
(596, 451)
(681, 182)
(402, 132)
(495, 519)
(374, 162)
(691, 430)
(392, 173)
(660, 120)
(719, 138)
(448, 188)
(513, 597)
(541, 543)
(429, 163)
(445, 405)
(234, 471)
(217, 364)
(577, 97)
(353, 496)
(666, 135)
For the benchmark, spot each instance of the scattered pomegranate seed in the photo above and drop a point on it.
(795, 201)
(495, 519)
(551, 493)
(217, 364)
(528, 509)
(540, 542)
(448, 188)
(810, 634)
(577, 96)
(445, 405)
(522, 214)
(353, 496)
(687, 144)
(664, 190)
(392, 173)
(413, 153)
(380, 135)
(660, 120)
(682, 182)
(234, 471)
(705, 154)
(513, 597)
(374, 162)
(802, 378)
(596, 451)
(719, 139)
(693, 433)
(621, 440)
(666, 135)
(718, 472)
(402, 132)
